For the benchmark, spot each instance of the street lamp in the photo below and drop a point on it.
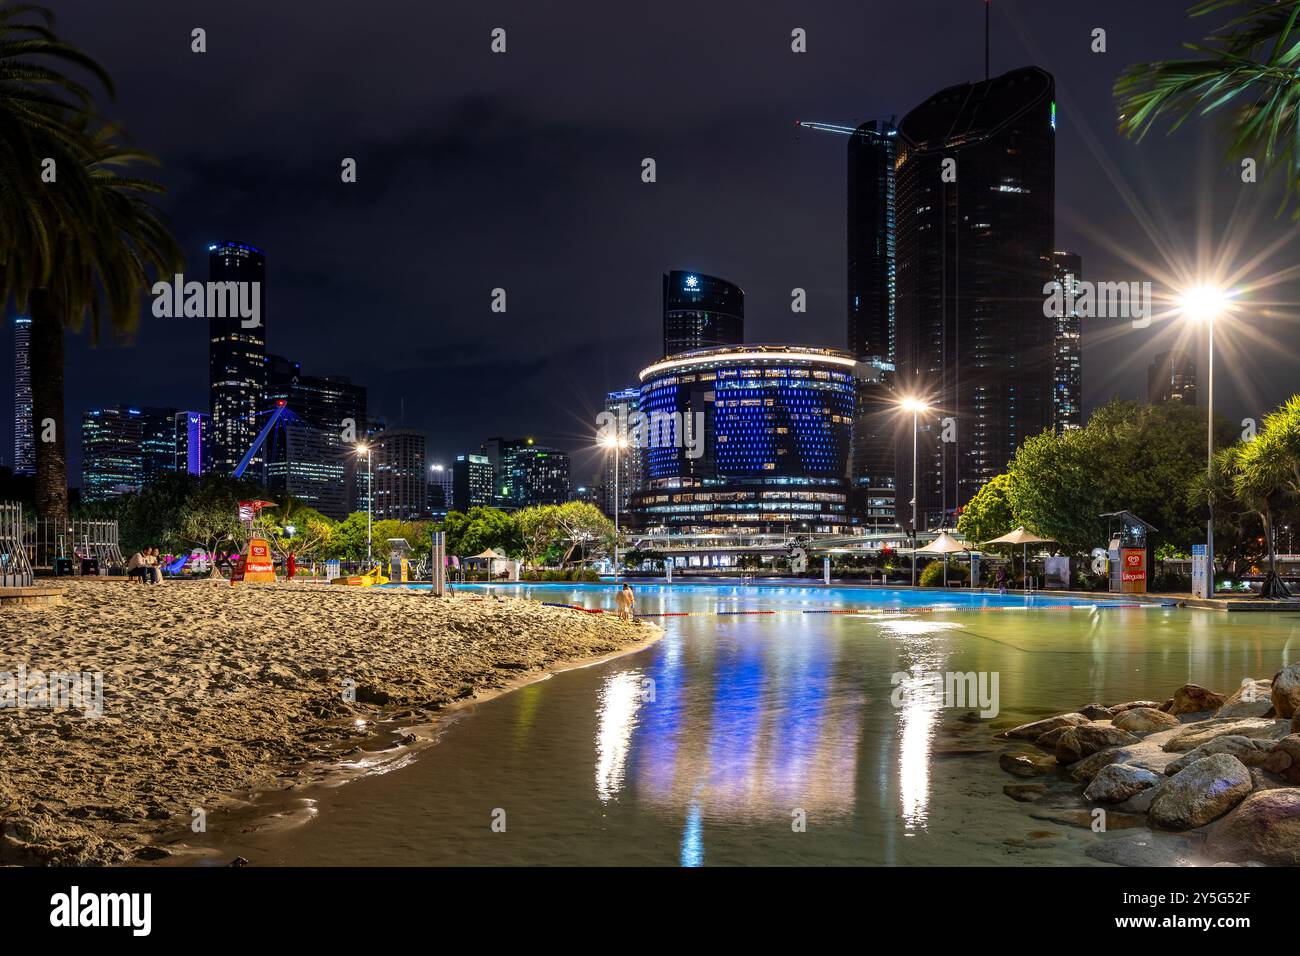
(1205, 303)
(916, 407)
(370, 500)
(616, 442)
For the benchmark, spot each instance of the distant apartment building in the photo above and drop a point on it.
(622, 404)
(1171, 378)
(24, 443)
(125, 448)
(1067, 376)
(310, 458)
(236, 362)
(400, 465)
(539, 476)
(472, 482)
(192, 452)
(441, 489)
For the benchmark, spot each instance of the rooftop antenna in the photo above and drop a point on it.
(987, 5)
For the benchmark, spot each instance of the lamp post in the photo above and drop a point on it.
(1205, 303)
(617, 443)
(370, 501)
(916, 407)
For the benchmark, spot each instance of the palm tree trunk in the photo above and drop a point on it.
(47, 405)
(1273, 586)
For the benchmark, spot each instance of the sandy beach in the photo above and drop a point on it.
(210, 692)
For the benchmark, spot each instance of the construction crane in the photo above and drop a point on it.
(280, 413)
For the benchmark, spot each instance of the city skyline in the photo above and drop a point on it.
(396, 333)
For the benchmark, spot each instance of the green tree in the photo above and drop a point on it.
(1247, 67)
(539, 532)
(989, 514)
(84, 245)
(481, 528)
(585, 527)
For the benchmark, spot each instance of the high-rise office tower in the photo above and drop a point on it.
(472, 478)
(193, 455)
(442, 493)
(125, 448)
(701, 312)
(310, 458)
(1171, 378)
(871, 232)
(540, 476)
(24, 443)
(401, 466)
(871, 236)
(622, 404)
(976, 189)
(1067, 376)
(236, 362)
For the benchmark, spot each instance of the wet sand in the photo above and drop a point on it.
(210, 692)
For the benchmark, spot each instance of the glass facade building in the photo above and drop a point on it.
(748, 437)
(124, 448)
(24, 443)
(236, 363)
(1067, 374)
(701, 312)
(622, 404)
(401, 467)
(976, 199)
(471, 482)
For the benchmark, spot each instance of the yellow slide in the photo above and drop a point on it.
(369, 579)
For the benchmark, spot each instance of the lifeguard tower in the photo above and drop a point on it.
(1128, 551)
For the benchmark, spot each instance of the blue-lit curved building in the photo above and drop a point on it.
(754, 437)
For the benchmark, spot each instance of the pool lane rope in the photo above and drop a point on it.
(872, 612)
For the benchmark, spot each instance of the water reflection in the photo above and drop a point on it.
(620, 696)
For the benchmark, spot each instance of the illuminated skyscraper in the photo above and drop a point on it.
(622, 404)
(401, 467)
(124, 448)
(976, 197)
(1172, 378)
(471, 480)
(701, 312)
(24, 445)
(236, 362)
(1067, 377)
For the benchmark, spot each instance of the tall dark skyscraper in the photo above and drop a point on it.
(24, 442)
(871, 236)
(975, 243)
(1067, 370)
(701, 312)
(236, 362)
(871, 232)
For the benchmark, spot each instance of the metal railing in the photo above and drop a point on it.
(15, 569)
(46, 539)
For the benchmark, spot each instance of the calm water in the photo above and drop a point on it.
(757, 717)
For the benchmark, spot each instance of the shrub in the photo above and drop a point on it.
(932, 575)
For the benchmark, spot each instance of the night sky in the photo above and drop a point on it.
(523, 171)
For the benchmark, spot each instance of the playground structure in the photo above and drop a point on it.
(398, 564)
(15, 569)
(94, 544)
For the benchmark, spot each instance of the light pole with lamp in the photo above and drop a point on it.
(916, 407)
(617, 443)
(1204, 304)
(370, 501)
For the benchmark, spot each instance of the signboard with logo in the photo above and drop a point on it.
(1200, 572)
(1133, 570)
(258, 564)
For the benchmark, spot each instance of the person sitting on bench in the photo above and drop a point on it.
(136, 568)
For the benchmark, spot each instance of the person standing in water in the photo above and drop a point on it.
(625, 601)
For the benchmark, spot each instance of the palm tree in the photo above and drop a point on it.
(82, 245)
(1250, 63)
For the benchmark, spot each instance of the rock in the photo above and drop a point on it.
(1084, 818)
(1049, 739)
(1025, 764)
(1265, 827)
(1201, 732)
(1262, 779)
(1120, 708)
(1286, 691)
(1201, 793)
(1250, 751)
(1036, 729)
(1089, 767)
(152, 853)
(1193, 699)
(1139, 802)
(1145, 720)
(1295, 723)
(1147, 849)
(1251, 699)
(1290, 745)
(1024, 792)
(1167, 705)
(1087, 739)
(1097, 712)
(1117, 782)
(238, 861)
(1149, 754)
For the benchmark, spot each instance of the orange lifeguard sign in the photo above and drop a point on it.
(258, 565)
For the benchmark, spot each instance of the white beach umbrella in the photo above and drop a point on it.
(944, 544)
(1023, 538)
